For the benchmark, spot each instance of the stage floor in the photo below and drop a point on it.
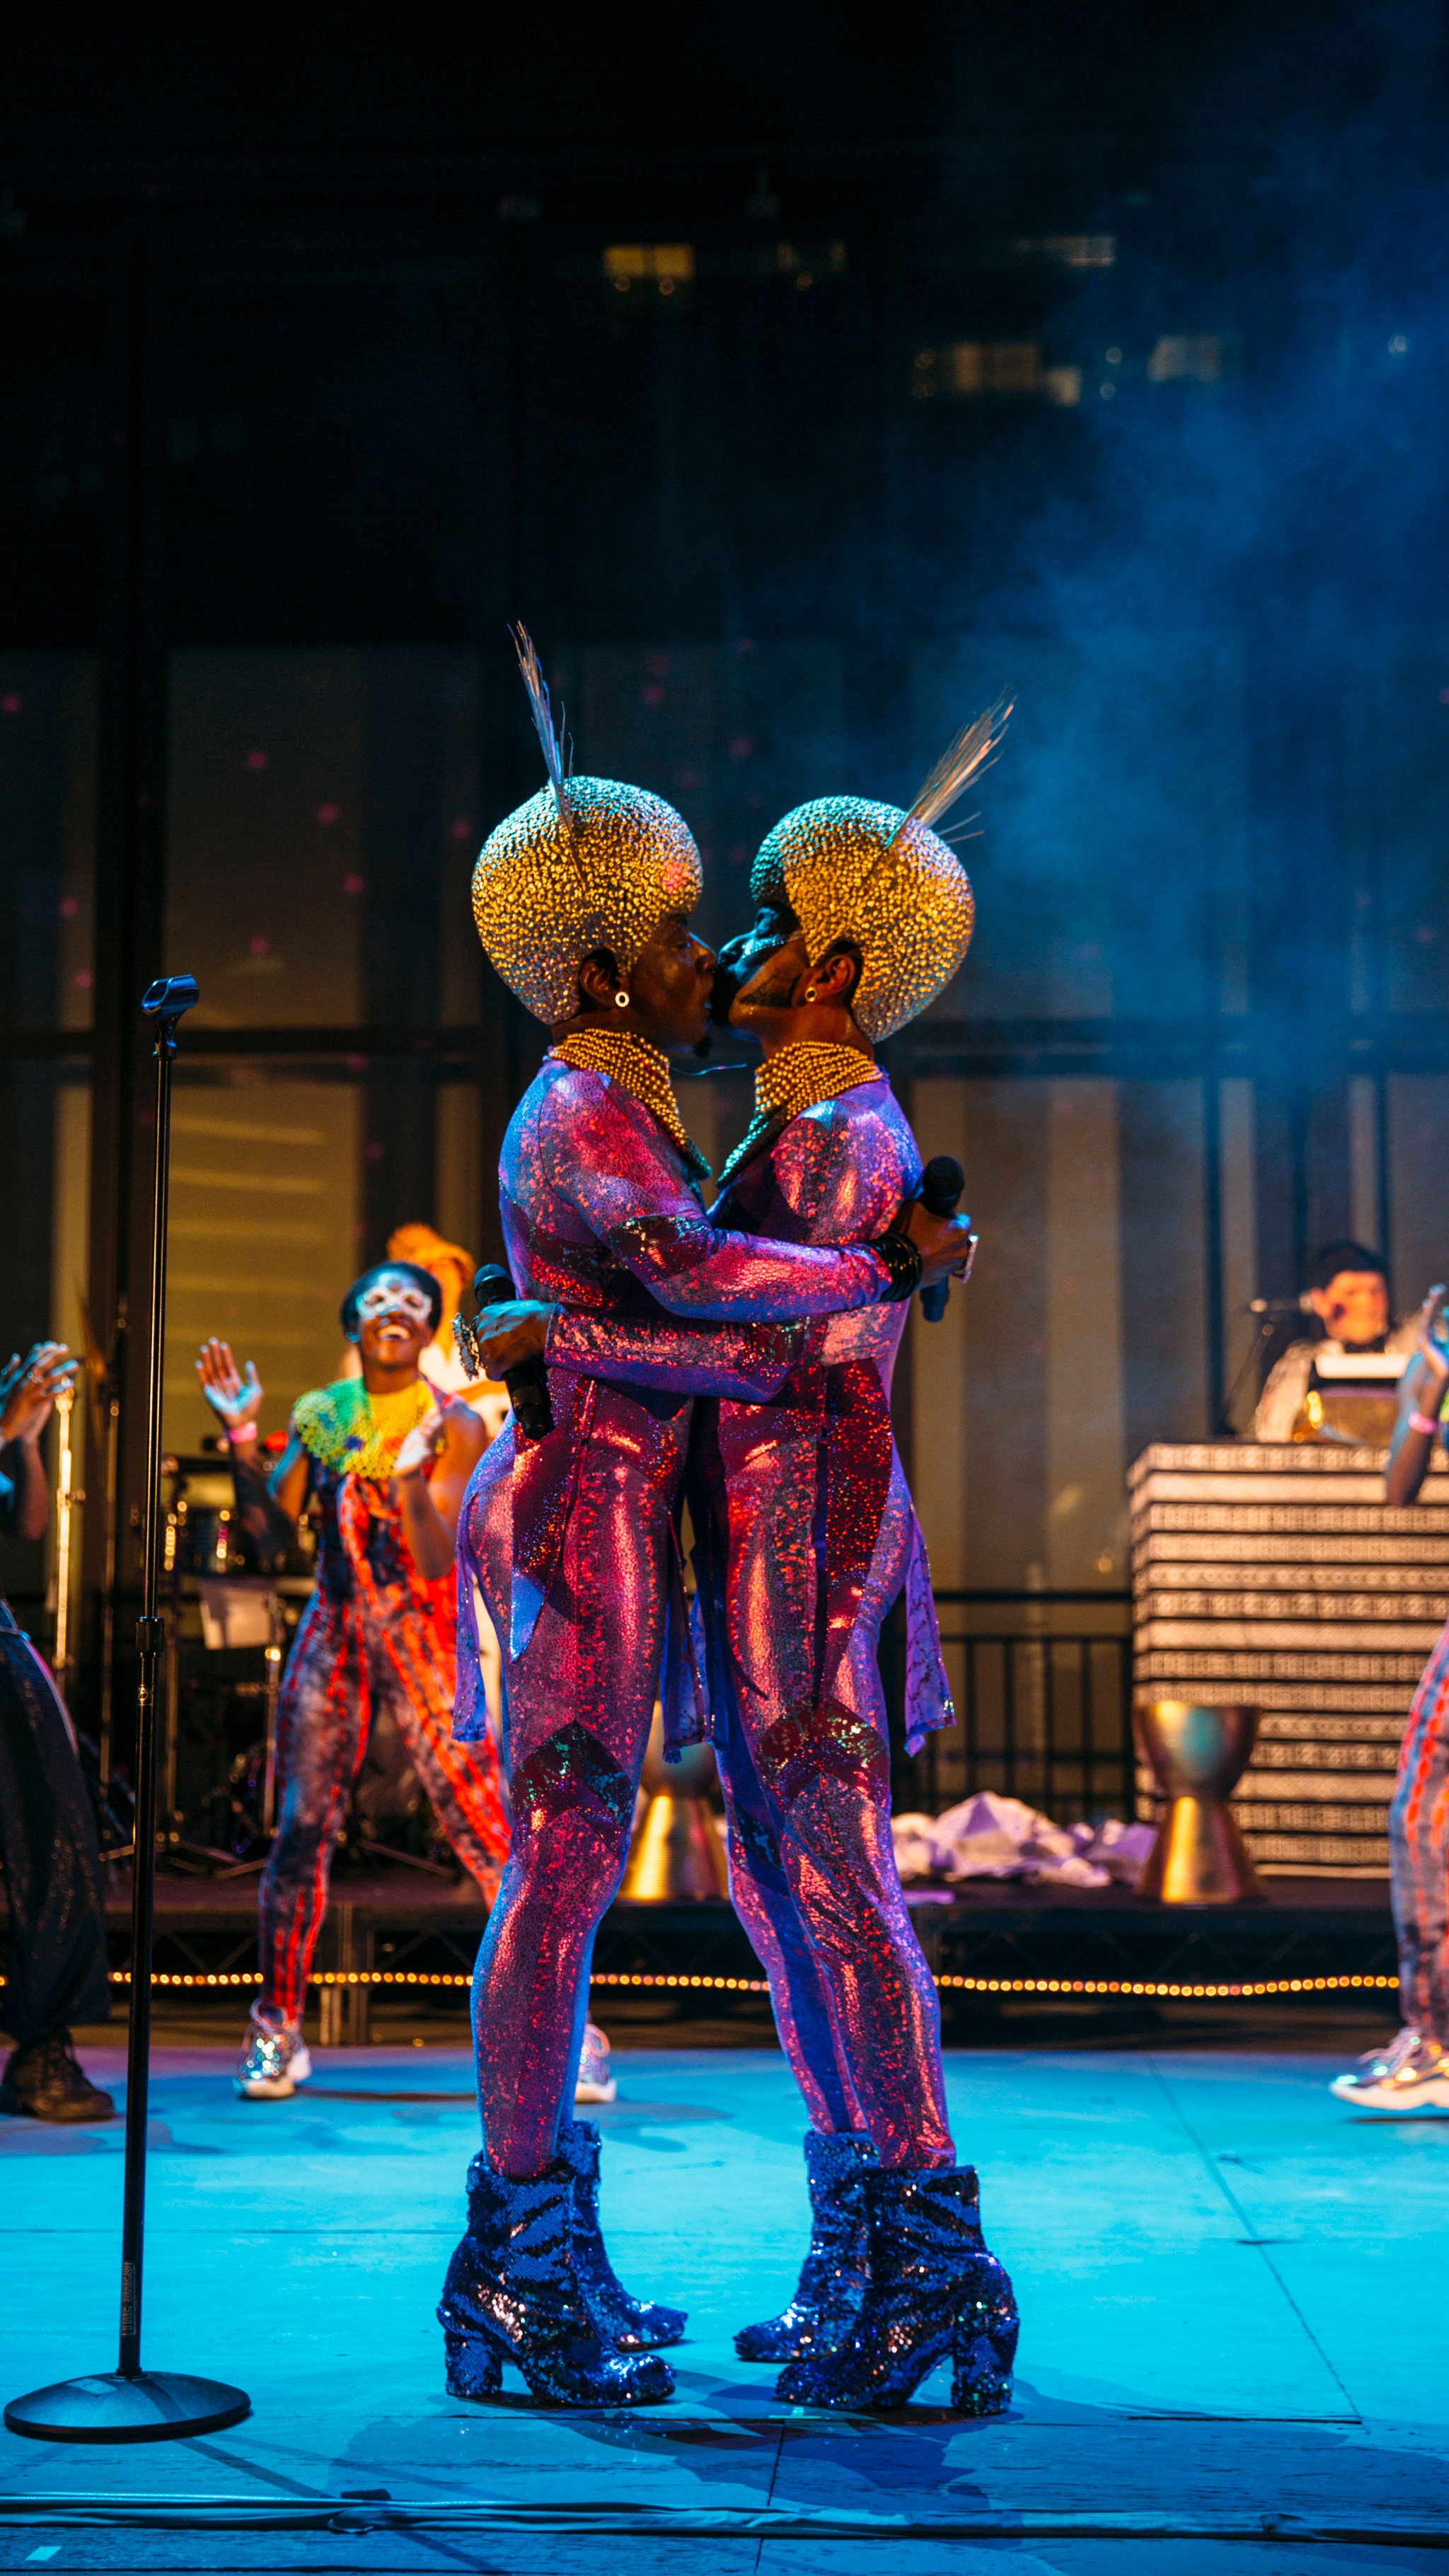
(1233, 2295)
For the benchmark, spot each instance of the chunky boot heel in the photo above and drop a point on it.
(832, 2276)
(983, 2346)
(513, 2294)
(475, 2369)
(931, 2289)
(626, 2323)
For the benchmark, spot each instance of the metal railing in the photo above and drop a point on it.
(1043, 1704)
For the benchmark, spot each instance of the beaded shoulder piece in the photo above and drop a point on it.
(357, 1434)
(792, 1081)
(639, 1069)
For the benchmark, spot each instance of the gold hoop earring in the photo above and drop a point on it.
(810, 993)
(621, 1001)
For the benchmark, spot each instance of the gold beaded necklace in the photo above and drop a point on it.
(638, 1068)
(792, 1081)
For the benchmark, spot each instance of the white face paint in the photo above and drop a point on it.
(394, 1295)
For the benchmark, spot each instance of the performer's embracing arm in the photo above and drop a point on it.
(1421, 1393)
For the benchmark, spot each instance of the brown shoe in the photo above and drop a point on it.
(44, 2082)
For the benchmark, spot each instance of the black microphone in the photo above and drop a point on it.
(527, 1384)
(942, 1183)
(1280, 1305)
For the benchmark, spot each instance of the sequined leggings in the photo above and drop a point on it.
(340, 1669)
(579, 1702)
(814, 1882)
(1419, 1853)
(807, 1794)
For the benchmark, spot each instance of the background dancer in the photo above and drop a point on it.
(386, 1459)
(582, 898)
(1412, 2073)
(49, 1854)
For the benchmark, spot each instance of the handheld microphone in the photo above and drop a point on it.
(942, 1183)
(527, 1384)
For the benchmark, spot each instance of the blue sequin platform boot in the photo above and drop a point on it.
(931, 2288)
(628, 2324)
(513, 2294)
(832, 2276)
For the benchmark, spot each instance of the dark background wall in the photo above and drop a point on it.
(802, 377)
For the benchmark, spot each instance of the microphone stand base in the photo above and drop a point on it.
(155, 2406)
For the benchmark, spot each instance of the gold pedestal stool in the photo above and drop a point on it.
(1197, 1756)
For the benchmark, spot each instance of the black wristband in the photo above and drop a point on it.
(903, 1261)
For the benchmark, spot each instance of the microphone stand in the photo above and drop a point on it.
(130, 2404)
(1274, 1315)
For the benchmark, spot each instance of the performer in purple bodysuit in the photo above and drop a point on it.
(582, 899)
(807, 1536)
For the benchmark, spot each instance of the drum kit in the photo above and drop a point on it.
(225, 1602)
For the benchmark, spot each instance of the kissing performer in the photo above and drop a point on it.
(807, 1536)
(385, 1458)
(582, 898)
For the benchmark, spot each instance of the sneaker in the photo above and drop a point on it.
(274, 2060)
(1410, 2075)
(594, 2083)
(44, 2082)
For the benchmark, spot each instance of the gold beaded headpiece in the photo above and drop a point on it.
(849, 869)
(587, 863)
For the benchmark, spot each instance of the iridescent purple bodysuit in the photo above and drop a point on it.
(573, 1539)
(807, 1535)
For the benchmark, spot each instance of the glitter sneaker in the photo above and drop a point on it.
(1412, 2074)
(593, 2082)
(274, 2060)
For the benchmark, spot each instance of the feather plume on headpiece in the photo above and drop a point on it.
(586, 864)
(852, 869)
(973, 750)
(557, 751)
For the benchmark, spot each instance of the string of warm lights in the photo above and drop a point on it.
(1243, 1992)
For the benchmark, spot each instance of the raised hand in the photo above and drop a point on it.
(1431, 1346)
(29, 1387)
(235, 1399)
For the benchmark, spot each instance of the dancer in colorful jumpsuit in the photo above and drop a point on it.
(807, 1536)
(1412, 2073)
(582, 899)
(385, 1459)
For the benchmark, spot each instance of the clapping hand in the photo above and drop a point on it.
(29, 1387)
(421, 1445)
(234, 1399)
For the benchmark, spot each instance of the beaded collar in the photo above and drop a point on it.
(357, 1434)
(792, 1081)
(642, 1071)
